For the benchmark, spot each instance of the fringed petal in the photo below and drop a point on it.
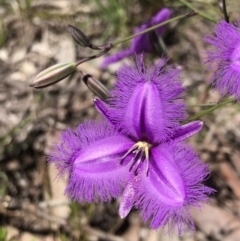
(164, 178)
(92, 155)
(147, 104)
(173, 164)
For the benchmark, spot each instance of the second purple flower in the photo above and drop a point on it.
(141, 43)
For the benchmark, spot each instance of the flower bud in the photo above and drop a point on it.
(78, 36)
(53, 74)
(96, 87)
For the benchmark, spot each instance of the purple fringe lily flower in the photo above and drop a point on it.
(141, 43)
(226, 41)
(138, 152)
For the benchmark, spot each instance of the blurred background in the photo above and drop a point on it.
(34, 36)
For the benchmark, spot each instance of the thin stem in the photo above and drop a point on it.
(85, 59)
(209, 110)
(204, 105)
(154, 27)
(202, 14)
(225, 11)
(102, 47)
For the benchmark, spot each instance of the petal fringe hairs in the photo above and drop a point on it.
(138, 152)
(226, 53)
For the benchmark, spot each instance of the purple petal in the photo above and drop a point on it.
(187, 130)
(147, 104)
(92, 156)
(165, 178)
(160, 17)
(143, 118)
(142, 43)
(101, 156)
(173, 185)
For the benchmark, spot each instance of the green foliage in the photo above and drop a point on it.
(3, 33)
(114, 13)
(28, 4)
(3, 184)
(63, 237)
(3, 234)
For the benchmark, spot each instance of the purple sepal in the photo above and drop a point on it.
(117, 57)
(187, 130)
(127, 201)
(103, 109)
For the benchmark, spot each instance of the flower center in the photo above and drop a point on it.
(140, 151)
(235, 57)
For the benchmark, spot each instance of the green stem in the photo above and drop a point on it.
(203, 105)
(154, 27)
(85, 59)
(202, 14)
(209, 110)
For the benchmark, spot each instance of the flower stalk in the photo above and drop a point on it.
(210, 110)
(155, 27)
(106, 49)
(200, 13)
(80, 38)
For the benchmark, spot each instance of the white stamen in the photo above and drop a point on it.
(141, 151)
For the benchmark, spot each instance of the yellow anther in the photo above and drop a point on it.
(144, 146)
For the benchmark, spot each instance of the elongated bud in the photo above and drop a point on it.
(96, 86)
(53, 74)
(78, 36)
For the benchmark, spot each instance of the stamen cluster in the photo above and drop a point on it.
(141, 153)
